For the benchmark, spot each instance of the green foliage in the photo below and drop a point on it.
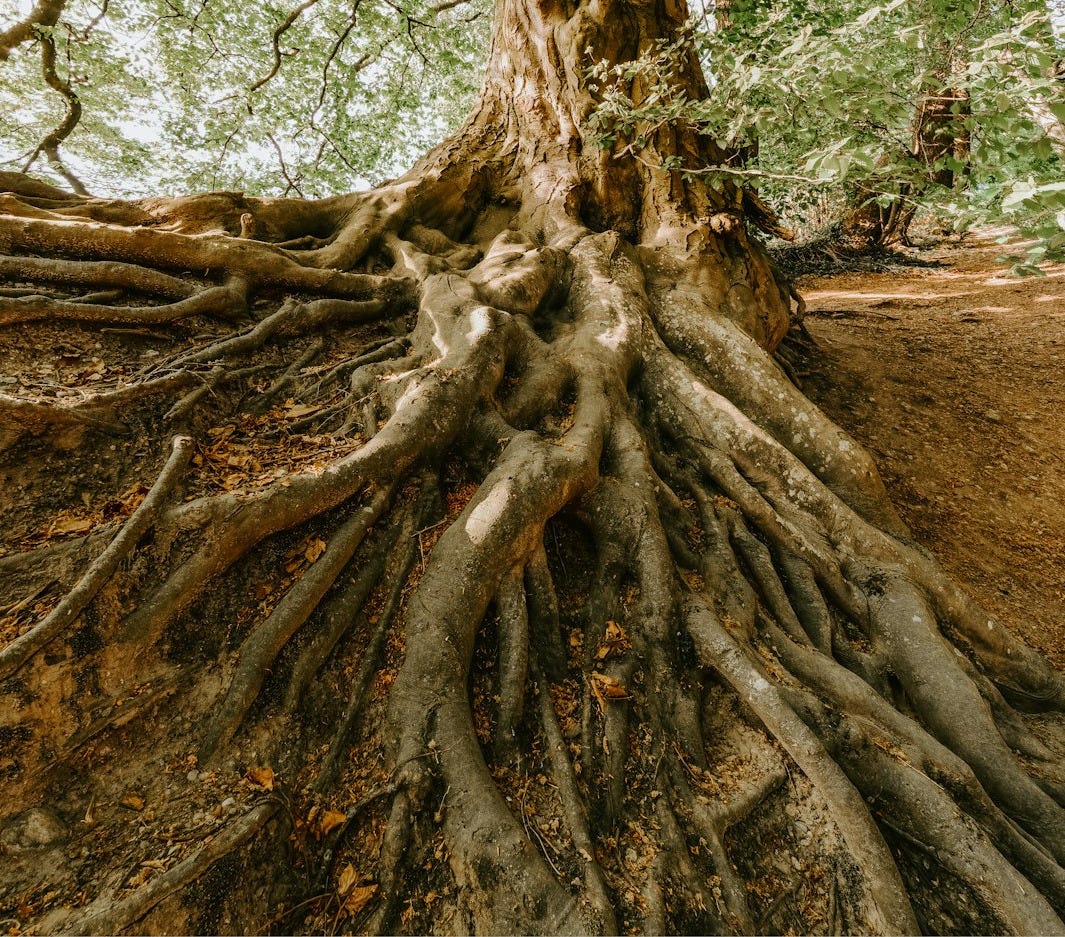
(828, 91)
(362, 87)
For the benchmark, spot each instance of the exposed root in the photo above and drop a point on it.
(259, 650)
(575, 811)
(100, 274)
(63, 615)
(718, 650)
(115, 917)
(211, 257)
(222, 301)
(574, 550)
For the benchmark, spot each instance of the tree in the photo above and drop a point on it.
(864, 115)
(466, 560)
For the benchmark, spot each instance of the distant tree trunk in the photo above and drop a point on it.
(462, 560)
(939, 131)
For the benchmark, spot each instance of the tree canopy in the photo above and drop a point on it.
(319, 98)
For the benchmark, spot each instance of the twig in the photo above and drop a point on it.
(276, 39)
(50, 144)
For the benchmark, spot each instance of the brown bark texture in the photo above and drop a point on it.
(459, 556)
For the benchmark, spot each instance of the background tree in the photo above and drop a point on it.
(455, 555)
(866, 114)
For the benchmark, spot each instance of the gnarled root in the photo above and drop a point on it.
(567, 611)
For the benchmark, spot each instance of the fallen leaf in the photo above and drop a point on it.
(70, 525)
(330, 819)
(315, 550)
(615, 641)
(348, 879)
(607, 688)
(359, 898)
(295, 412)
(132, 497)
(261, 777)
(132, 801)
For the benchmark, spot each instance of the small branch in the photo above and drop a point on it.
(336, 836)
(264, 400)
(43, 16)
(63, 615)
(94, 22)
(724, 170)
(211, 383)
(291, 184)
(276, 40)
(50, 144)
(333, 51)
(411, 23)
(446, 5)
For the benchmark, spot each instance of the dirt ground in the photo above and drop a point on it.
(954, 377)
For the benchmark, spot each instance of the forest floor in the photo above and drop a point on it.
(953, 375)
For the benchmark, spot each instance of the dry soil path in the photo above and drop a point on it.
(954, 377)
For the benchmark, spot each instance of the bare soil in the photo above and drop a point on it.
(952, 375)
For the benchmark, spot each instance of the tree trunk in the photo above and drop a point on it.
(939, 131)
(465, 561)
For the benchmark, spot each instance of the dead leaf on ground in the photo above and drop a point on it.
(261, 777)
(607, 688)
(359, 898)
(329, 820)
(71, 525)
(132, 801)
(315, 549)
(615, 642)
(347, 880)
(296, 411)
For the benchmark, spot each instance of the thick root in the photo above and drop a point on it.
(565, 611)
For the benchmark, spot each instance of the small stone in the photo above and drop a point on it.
(193, 776)
(33, 829)
(229, 802)
(992, 416)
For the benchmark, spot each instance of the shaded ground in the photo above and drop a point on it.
(953, 377)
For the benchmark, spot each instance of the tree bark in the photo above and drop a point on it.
(512, 586)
